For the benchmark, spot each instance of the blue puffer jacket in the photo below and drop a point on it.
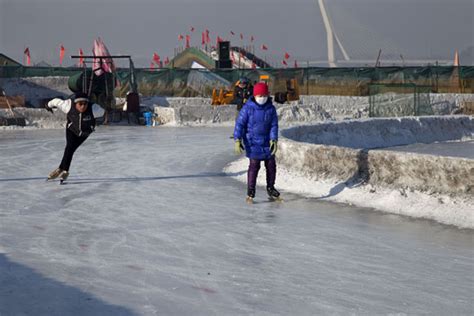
(257, 125)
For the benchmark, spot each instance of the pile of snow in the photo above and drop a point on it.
(199, 111)
(36, 118)
(333, 161)
(384, 132)
(36, 89)
(450, 210)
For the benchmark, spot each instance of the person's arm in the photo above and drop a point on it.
(241, 124)
(97, 110)
(274, 125)
(63, 105)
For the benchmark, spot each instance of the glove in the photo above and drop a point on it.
(239, 147)
(273, 146)
(46, 106)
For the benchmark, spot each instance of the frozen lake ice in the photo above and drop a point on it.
(149, 224)
(461, 149)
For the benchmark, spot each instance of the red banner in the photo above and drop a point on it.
(28, 57)
(287, 56)
(156, 58)
(188, 39)
(62, 51)
(81, 58)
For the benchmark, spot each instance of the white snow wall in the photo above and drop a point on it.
(342, 151)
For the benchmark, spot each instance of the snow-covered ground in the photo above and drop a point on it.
(443, 208)
(150, 225)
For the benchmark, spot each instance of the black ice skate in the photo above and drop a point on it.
(250, 196)
(273, 194)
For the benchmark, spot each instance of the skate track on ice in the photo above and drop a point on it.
(150, 225)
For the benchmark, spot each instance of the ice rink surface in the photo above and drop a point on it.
(149, 225)
(464, 149)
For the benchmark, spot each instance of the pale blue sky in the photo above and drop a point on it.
(414, 28)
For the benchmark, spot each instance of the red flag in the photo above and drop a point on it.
(188, 39)
(28, 57)
(264, 47)
(232, 33)
(218, 40)
(296, 64)
(208, 38)
(62, 50)
(192, 28)
(241, 36)
(287, 55)
(284, 62)
(252, 38)
(156, 58)
(203, 38)
(81, 58)
(167, 60)
(180, 37)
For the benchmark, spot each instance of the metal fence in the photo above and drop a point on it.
(311, 81)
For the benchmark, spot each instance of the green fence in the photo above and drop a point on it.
(312, 81)
(386, 100)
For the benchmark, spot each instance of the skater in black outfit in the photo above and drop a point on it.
(242, 92)
(81, 115)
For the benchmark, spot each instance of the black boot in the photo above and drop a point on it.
(272, 192)
(251, 193)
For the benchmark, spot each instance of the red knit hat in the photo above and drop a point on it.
(260, 88)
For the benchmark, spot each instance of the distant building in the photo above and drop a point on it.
(43, 64)
(7, 61)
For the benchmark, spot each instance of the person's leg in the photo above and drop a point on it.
(72, 143)
(270, 166)
(254, 167)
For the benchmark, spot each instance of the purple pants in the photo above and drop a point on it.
(254, 167)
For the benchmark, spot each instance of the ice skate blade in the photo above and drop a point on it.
(275, 199)
(249, 200)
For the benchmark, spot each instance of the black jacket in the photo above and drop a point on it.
(241, 95)
(81, 124)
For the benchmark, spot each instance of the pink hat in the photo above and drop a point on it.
(260, 88)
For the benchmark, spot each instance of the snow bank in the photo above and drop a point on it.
(337, 161)
(343, 107)
(450, 210)
(341, 151)
(384, 132)
(36, 118)
(36, 89)
(199, 111)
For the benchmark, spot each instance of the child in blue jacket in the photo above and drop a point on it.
(256, 128)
